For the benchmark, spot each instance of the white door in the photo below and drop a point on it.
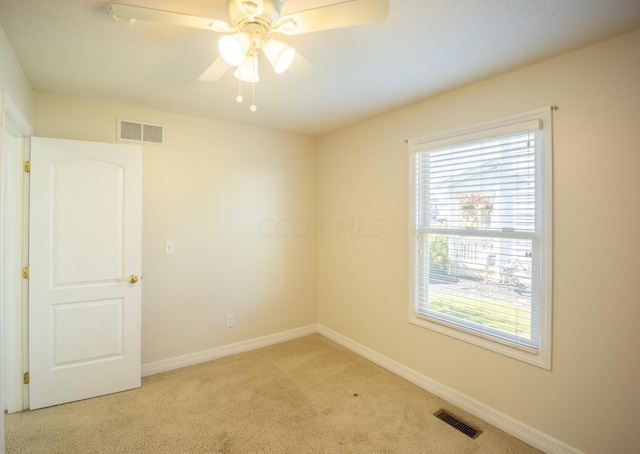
(84, 266)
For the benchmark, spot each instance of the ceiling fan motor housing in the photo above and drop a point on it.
(242, 12)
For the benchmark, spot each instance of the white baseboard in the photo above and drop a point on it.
(506, 423)
(190, 359)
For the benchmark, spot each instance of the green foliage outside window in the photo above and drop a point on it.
(439, 253)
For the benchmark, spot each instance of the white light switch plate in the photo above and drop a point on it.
(169, 247)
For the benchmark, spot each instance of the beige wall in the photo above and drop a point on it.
(216, 189)
(591, 398)
(13, 79)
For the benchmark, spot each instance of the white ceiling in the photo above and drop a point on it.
(424, 47)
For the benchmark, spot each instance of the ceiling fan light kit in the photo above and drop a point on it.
(233, 48)
(252, 22)
(279, 55)
(247, 71)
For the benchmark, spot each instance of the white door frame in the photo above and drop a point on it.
(13, 285)
(14, 334)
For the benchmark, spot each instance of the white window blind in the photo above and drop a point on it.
(481, 229)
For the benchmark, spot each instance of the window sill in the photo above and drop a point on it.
(540, 359)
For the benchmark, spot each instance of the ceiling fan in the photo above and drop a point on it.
(252, 23)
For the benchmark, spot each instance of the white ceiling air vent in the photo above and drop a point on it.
(134, 131)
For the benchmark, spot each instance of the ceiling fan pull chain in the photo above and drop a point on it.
(253, 107)
(253, 97)
(239, 97)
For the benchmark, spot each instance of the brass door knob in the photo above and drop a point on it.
(133, 279)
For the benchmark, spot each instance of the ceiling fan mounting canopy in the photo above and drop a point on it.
(242, 12)
(257, 19)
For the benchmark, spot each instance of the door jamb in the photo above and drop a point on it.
(15, 359)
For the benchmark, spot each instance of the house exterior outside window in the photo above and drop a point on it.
(481, 236)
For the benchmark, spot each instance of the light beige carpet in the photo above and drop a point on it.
(304, 396)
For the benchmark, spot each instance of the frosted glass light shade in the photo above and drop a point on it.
(233, 48)
(248, 69)
(279, 54)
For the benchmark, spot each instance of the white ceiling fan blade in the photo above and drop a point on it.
(215, 71)
(122, 11)
(337, 15)
(290, 7)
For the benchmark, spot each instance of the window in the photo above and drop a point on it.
(481, 235)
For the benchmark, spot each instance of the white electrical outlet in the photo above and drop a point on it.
(230, 320)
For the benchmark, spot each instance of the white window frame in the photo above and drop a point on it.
(540, 355)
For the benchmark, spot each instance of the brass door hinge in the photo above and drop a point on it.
(25, 272)
(25, 378)
(27, 166)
